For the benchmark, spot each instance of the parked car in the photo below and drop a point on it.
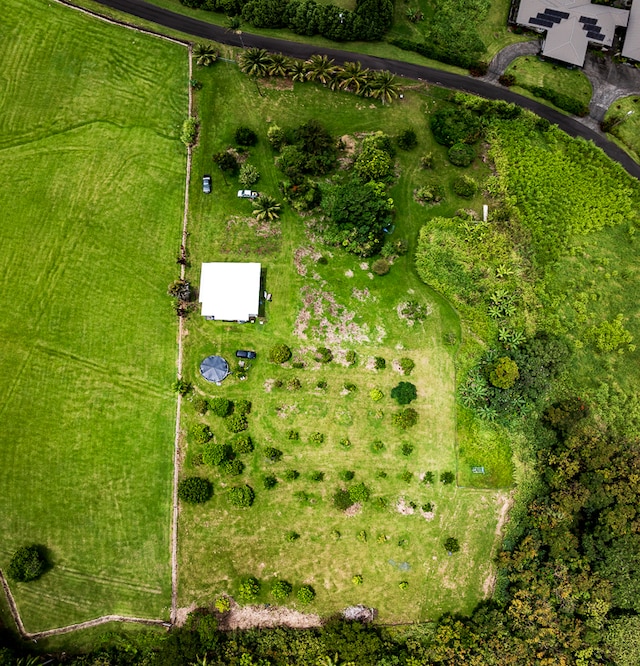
(245, 353)
(206, 184)
(248, 194)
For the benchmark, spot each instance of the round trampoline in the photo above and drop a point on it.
(214, 368)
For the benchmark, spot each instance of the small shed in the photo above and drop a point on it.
(230, 291)
(214, 369)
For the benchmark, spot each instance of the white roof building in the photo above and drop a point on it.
(571, 24)
(230, 291)
(631, 48)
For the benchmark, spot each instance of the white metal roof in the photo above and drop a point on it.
(571, 24)
(631, 48)
(230, 291)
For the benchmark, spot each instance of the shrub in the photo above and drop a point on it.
(504, 373)
(201, 433)
(272, 454)
(323, 261)
(302, 496)
(316, 438)
(182, 387)
(236, 423)
(428, 477)
(381, 267)
(403, 584)
(195, 490)
(306, 594)
(243, 444)
(241, 496)
(335, 535)
(347, 475)
(294, 384)
(322, 384)
(428, 507)
(269, 481)
(279, 353)
(232, 467)
(464, 186)
(249, 175)
(429, 194)
(507, 80)
(426, 161)
(342, 499)
(249, 588)
(293, 435)
(242, 406)
(291, 536)
(407, 366)
(381, 474)
(215, 454)
(317, 476)
(406, 449)
(350, 387)
(324, 355)
(447, 478)
(27, 564)
(281, 589)
(455, 125)
(451, 545)
(351, 357)
(362, 536)
(379, 363)
(220, 406)
(357, 579)
(278, 383)
(461, 154)
(298, 365)
(189, 132)
(381, 503)
(407, 418)
(359, 493)
(245, 136)
(407, 139)
(376, 394)
(392, 248)
(345, 443)
(404, 393)
(290, 474)
(276, 137)
(226, 161)
(222, 604)
(406, 476)
(414, 310)
(377, 446)
(200, 404)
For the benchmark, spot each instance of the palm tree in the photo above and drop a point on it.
(266, 208)
(255, 62)
(320, 68)
(383, 86)
(279, 65)
(353, 77)
(205, 54)
(298, 71)
(232, 23)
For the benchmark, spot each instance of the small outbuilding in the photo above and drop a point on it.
(214, 369)
(230, 291)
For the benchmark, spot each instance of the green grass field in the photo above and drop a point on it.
(530, 71)
(626, 132)
(220, 544)
(91, 188)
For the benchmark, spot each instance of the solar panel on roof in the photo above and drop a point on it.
(588, 20)
(542, 22)
(546, 17)
(555, 12)
(595, 35)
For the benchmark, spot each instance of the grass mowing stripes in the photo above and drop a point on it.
(91, 186)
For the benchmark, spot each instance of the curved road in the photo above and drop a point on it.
(203, 30)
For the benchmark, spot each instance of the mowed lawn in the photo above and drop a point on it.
(91, 193)
(220, 544)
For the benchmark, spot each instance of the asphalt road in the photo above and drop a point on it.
(203, 30)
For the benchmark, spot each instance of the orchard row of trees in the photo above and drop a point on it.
(369, 20)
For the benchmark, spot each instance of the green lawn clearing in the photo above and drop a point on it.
(625, 114)
(531, 71)
(322, 296)
(91, 187)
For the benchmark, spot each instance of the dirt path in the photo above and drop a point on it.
(506, 502)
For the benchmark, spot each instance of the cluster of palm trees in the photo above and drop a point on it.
(351, 76)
